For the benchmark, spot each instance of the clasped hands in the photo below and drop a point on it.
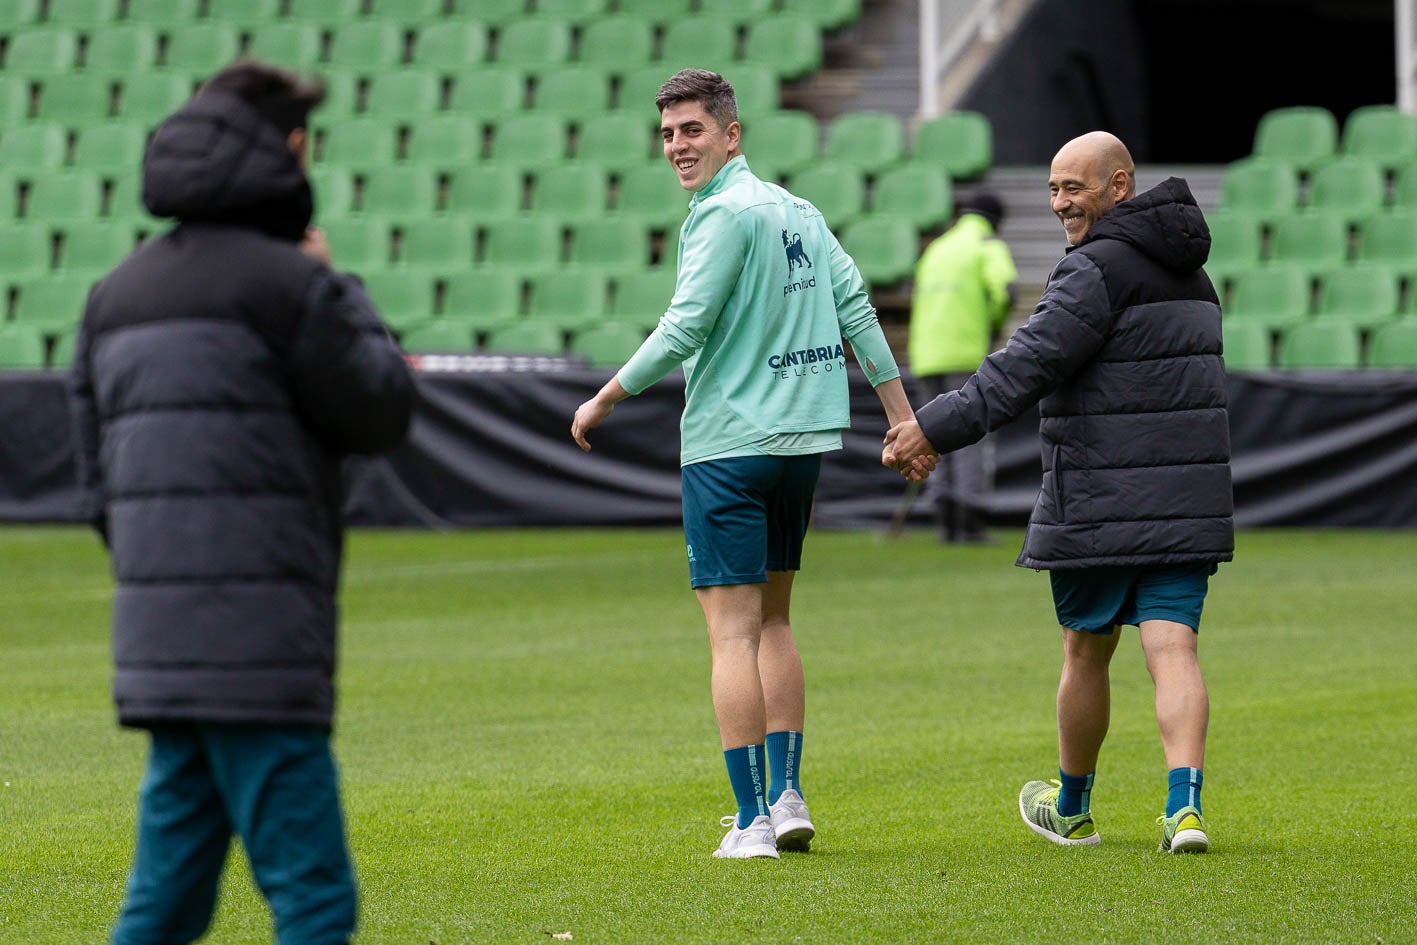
(908, 452)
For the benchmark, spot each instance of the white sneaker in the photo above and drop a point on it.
(791, 823)
(744, 843)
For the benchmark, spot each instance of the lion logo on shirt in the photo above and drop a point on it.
(796, 255)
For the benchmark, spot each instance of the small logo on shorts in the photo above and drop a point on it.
(691, 551)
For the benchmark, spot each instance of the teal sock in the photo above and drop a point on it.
(745, 773)
(1183, 789)
(784, 755)
(1076, 796)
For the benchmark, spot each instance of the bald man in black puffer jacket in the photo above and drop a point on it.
(222, 372)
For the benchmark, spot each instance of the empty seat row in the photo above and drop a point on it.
(1307, 136)
(1320, 344)
(1315, 238)
(1356, 187)
(1282, 294)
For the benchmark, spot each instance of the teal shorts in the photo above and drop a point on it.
(747, 515)
(1097, 600)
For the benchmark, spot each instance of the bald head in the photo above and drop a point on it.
(1090, 175)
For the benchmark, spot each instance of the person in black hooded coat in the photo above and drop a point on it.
(221, 373)
(1123, 357)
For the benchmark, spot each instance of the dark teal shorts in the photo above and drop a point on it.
(747, 515)
(1098, 599)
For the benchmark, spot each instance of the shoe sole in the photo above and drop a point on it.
(1052, 837)
(1190, 841)
(795, 835)
(760, 851)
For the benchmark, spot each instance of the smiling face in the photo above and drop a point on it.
(1088, 177)
(694, 144)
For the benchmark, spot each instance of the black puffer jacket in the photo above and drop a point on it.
(220, 374)
(1122, 356)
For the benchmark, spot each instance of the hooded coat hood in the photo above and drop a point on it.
(218, 160)
(1164, 223)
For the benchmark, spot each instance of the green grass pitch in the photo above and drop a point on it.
(528, 748)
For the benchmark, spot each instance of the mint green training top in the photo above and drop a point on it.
(764, 297)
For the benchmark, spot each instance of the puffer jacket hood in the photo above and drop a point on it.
(1164, 223)
(218, 160)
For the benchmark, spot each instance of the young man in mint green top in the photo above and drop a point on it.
(765, 297)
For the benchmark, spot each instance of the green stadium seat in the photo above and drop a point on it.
(405, 12)
(358, 245)
(244, 13)
(324, 12)
(92, 249)
(617, 140)
(52, 303)
(369, 141)
(402, 93)
(528, 338)
(21, 347)
(1381, 133)
(26, 250)
(1246, 345)
(334, 191)
(342, 95)
(790, 46)
(826, 14)
(779, 143)
(491, 12)
(365, 44)
(834, 188)
(445, 141)
(533, 44)
(292, 44)
(567, 299)
(1321, 343)
(400, 190)
(121, 50)
(450, 45)
(1304, 136)
(658, 12)
(617, 42)
(76, 98)
(1351, 187)
(149, 97)
(609, 344)
(1394, 345)
(575, 11)
(9, 196)
(737, 12)
(572, 91)
(650, 194)
(1264, 187)
(488, 93)
(62, 354)
(62, 196)
(202, 48)
(14, 99)
(41, 52)
(525, 242)
(439, 335)
(755, 86)
(1363, 294)
(19, 12)
(570, 195)
(1275, 296)
(529, 139)
(33, 147)
(404, 297)
(486, 191)
(962, 142)
(611, 245)
(82, 14)
(638, 87)
(916, 191)
(642, 297)
(163, 12)
(486, 297)
(124, 201)
(703, 40)
(867, 140)
(1390, 238)
(884, 249)
(445, 245)
(1315, 238)
(1236, 243)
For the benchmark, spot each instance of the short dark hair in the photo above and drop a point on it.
(707, 88)
(282, 96)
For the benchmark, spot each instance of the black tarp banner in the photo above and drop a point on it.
(491, 446)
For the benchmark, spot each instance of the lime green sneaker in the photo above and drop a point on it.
(1038, 803)
(1183, 832)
